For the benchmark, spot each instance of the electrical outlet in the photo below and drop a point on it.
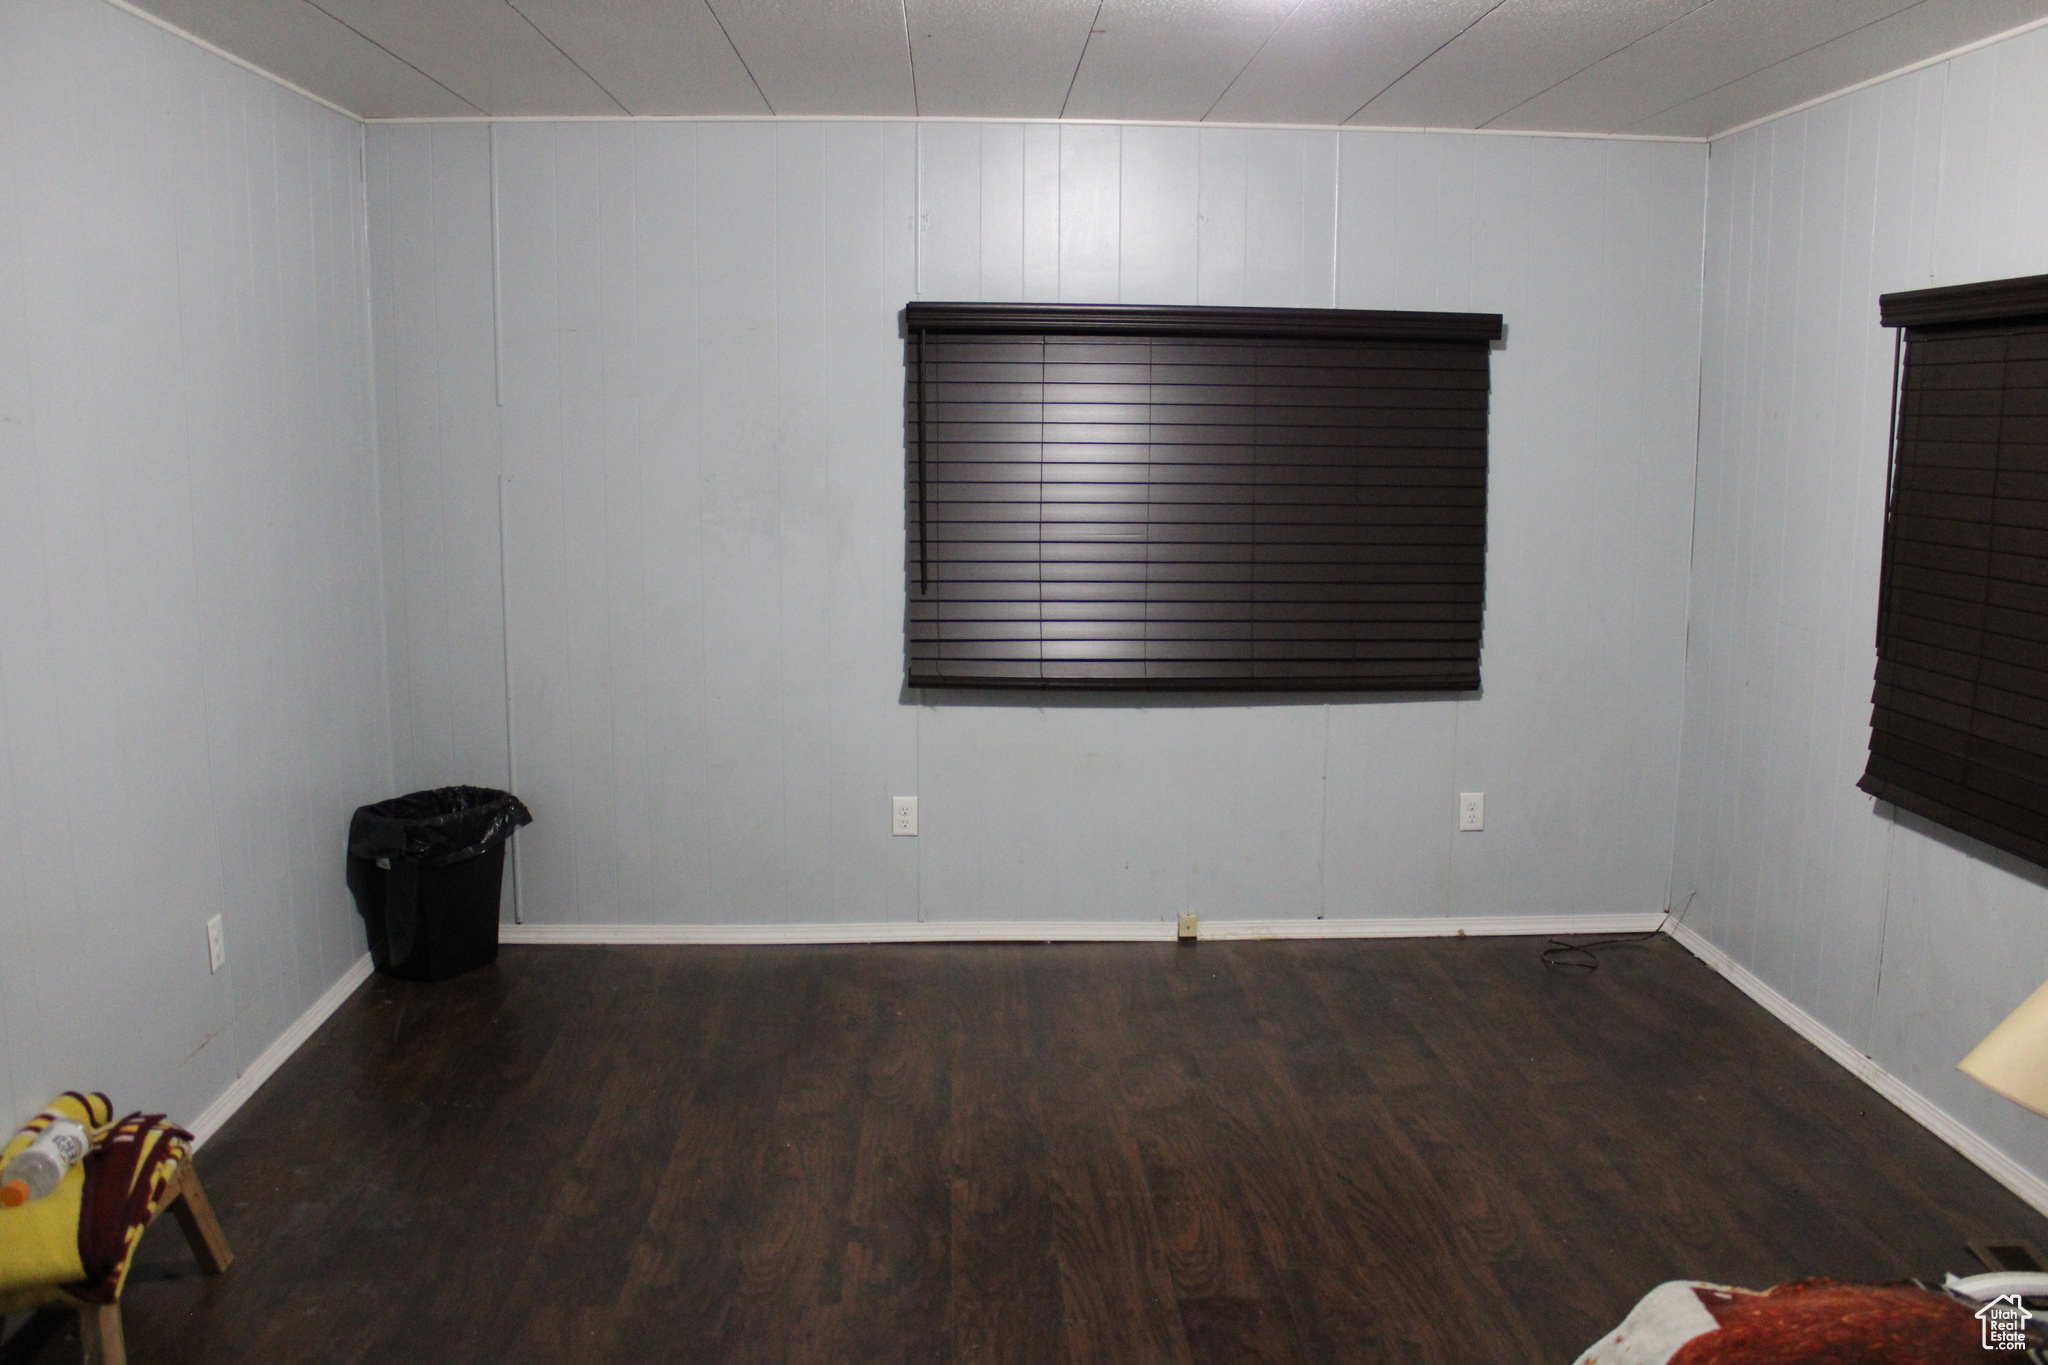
(1471, 811)
(216, 945)
(903, 823)
(1190, 924)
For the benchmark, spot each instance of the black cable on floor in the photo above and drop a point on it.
(1563, 953)
(1582, 956)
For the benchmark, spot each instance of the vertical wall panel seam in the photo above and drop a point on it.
(1302, 204)
(563, 710)
(307, 895)
(505, 640)
(781, 453)
(1718, 297)
(1756, 380)
(1940, 169)
(917, 209)
(1336, 251)
(1336, 216)
(1760, 283)
(1735, 395)
(980, 204)
(438, 579)
(320, 265)
(1863, 1014)
(608, 465)
(497, 296)
(638, 464)
(1793, 934)
(1201, 222)
(1884, 929)
(917, 712)
(695, 371)
(208, 715)
(1784, 938)
(295, 764)
(1323, 823)
(1864, 1011)
(368, 317)
(311, 888)
(1450, 838)
(1693, 527)
(1738, 459)
(505, 655)
(1023, 214)
(1823, 741)
(830, 485)
(1816, 825)
(917, 766)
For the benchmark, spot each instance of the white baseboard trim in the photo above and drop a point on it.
(1917, 1106)
(1074, 931)
(257, 1072)
(1475, 926)
(961, 931)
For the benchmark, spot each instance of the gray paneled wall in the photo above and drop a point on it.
(192, 692)
(695, 339)
(1907, 940)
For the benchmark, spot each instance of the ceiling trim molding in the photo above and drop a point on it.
(167, 26)
(1906, 70)
(1047, 122)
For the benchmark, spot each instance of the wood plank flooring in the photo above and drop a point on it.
(1413, 1151)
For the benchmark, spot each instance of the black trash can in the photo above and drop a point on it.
(426, 871)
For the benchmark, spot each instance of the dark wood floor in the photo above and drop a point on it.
(1309, 1151)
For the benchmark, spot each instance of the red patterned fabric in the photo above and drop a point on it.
(1822, 1322)
(126, 1172)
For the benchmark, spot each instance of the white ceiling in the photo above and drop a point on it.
(1690, 68)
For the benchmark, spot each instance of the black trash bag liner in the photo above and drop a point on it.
(435, 828)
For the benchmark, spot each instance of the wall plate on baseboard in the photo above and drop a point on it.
(1190, 924)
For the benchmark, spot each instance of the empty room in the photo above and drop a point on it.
(1067, 680)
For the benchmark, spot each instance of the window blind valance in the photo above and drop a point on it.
(1959, 721)
(1135, 497)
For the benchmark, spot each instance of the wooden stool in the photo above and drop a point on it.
(99, 1325)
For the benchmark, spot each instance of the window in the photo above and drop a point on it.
(1959, 723)
(1221, 498)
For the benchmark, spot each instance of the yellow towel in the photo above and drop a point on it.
(39, 1239)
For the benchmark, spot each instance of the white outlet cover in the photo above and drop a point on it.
(1471, 811)
(216, 945)
(903, 817)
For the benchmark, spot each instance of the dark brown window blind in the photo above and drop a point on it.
(1215, 498)
(1959, 722)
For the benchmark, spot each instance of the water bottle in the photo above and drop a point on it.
(42, 1164)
